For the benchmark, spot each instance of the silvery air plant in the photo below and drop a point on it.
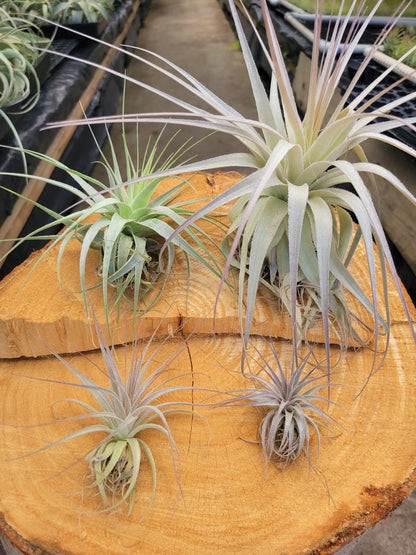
(128, 224)
(136, 398)
(291, 225)
(29, 9)
(19, 53)
(81, 11)
(290, 405)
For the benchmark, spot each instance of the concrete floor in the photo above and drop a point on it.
(196, 36)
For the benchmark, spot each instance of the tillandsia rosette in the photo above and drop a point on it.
(62, 11)
(20, 50)
(305, 235)
(30, 10)
(290, 405)
(81, 11)
(263, 252)
(130, 401)
(128, 224)
(399, 42)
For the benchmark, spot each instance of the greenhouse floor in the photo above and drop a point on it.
(196, 35)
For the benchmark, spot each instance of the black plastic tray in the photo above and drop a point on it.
(374, 70)
(94, 29)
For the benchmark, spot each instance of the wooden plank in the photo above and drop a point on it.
(22, 209)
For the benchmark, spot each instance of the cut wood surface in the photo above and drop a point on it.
(39, 313)
(229, 502)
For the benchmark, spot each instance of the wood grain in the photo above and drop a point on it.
(229, 502)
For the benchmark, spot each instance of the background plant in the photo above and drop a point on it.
(81, 11)
(19, 52)
(399, 42)
(30, 10)
(64, 11)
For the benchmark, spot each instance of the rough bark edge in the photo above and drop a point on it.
(377, 504)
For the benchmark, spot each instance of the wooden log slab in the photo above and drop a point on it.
(229, 503)
(38, 313)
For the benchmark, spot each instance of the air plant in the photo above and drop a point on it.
(290, 406)
(127, 224)
(30, 9)
(20, 46)
(399, 42)
(65, 11)
(81, 11)
(19, 52)
(125, 410)
(292, 227)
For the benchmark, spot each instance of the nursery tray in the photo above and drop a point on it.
(305, 23)
(92, 29)
(285, 6)
(372, 72)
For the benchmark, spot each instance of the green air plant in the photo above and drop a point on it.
(30, 9)
(291, 225)
(65, 11)
(399, 42)
(127, 224)
(130, 412)
(290, 406)
(81, 11)
(20, 50)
